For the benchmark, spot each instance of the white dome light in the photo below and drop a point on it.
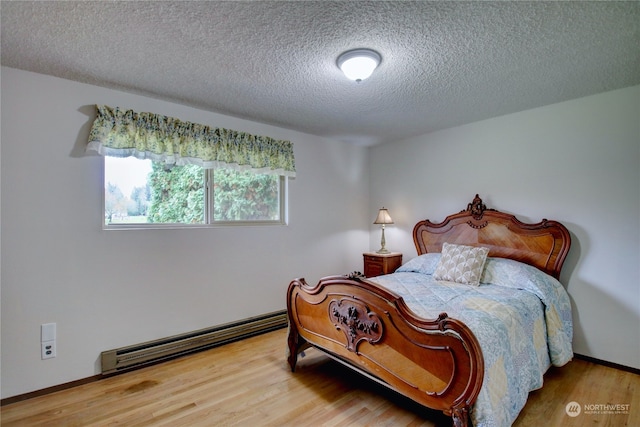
(358, 64)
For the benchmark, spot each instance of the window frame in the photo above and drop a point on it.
(208, 221)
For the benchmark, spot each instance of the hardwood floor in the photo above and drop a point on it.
(248, 383)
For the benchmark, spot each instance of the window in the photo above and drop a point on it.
(144, 193)
(150, 193)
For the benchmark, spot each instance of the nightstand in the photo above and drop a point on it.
(376, 264)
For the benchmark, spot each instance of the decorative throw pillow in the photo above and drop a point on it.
(461, 264)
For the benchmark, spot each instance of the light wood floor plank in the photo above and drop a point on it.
(248, 383)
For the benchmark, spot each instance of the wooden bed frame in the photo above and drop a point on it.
(435, 362)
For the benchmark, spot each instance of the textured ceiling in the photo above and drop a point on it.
(443, 63)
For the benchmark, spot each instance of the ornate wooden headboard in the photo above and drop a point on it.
(543, 245)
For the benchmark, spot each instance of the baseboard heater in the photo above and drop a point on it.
(135, 356)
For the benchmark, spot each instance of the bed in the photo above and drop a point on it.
(472, 349)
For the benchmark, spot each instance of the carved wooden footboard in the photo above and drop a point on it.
(437, 363)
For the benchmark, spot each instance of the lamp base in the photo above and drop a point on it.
(383, 242)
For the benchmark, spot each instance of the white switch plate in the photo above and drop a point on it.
(48, 332)
(48, 340)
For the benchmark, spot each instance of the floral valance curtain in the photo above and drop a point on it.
(124, 133)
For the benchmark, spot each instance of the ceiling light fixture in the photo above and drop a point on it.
(358, 64)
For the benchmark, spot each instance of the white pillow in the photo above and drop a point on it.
(461, 264)
(425, 264)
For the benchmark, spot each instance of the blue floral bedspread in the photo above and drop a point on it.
(520, 316)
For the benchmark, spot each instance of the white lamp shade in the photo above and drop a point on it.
(358, 64)
(383, 217)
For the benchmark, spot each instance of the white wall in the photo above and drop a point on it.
(106, 289)
(577, 162)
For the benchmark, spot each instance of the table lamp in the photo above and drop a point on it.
(383, 218)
